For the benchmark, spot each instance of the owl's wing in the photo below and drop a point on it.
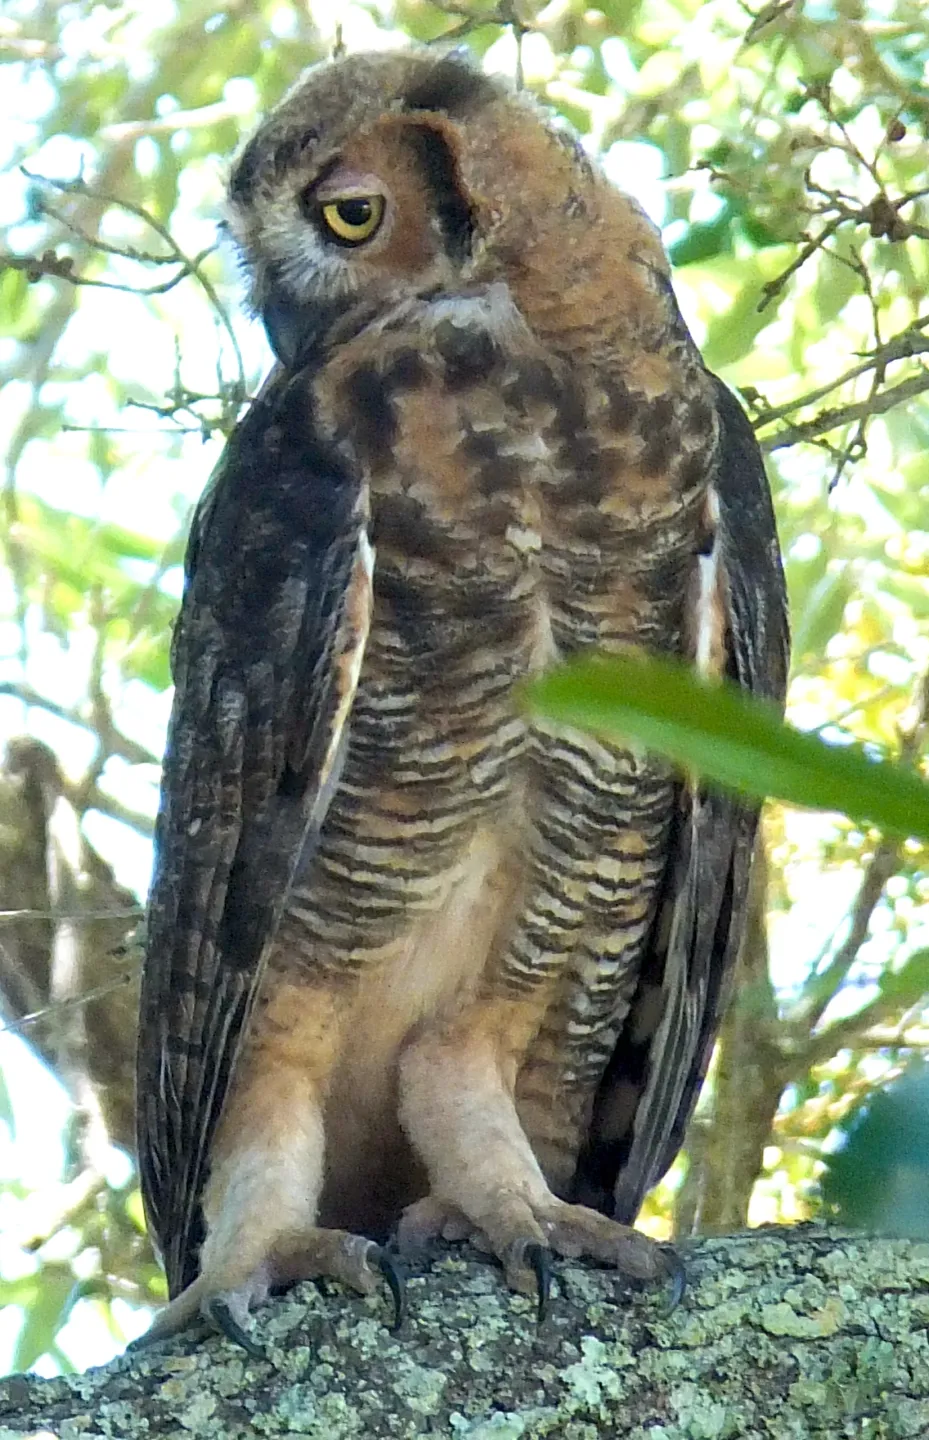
(266, 656)
(661, 1059)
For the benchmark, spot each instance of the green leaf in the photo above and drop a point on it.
(910, 983)
(704, 240)
(730, 738)
(732, 331)
(46, 1315)
(878, 1180)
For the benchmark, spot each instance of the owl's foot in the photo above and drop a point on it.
(525, 1234)
(226, 1299)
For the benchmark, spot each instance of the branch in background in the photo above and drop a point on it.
(182, 401)
(881, 214)
(198, 119)
(823, 986)
(121, 745)
(66, 971)
(189, 265)
(87, 997)
(847, 414)
(93, 798)
(760, 1052)
(908, 343)
(881, 1037)
(867, 1029)
(52, 266)
(750, 1072)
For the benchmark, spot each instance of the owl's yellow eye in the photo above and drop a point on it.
(354, 219)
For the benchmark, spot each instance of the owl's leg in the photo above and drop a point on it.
(266, 1174)
(457, 1085)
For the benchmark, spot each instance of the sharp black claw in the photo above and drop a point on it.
(539, 1259)
(396, 1283)
(677, 1274)
(224, 1320)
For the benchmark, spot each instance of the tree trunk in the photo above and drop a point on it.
(783, 1333)
(69, 978)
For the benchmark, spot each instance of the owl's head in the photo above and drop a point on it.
(386, 176)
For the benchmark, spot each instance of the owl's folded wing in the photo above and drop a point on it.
(665, 1047)
(266, 657)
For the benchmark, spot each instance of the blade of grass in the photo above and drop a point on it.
(730, 738)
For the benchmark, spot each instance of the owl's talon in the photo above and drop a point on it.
(677, 1273)
(218, 1312)
(395, 1277)
(539, 1260)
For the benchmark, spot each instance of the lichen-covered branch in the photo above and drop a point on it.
(797, 1333)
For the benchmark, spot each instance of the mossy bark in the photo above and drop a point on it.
(783, 1333)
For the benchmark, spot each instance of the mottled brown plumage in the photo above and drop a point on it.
(410, 958)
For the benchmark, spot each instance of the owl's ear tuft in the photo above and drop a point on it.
(452, 86)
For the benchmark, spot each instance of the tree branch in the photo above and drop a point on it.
(783, 1332)
(120, 745)
(847, 414)
(903, 346)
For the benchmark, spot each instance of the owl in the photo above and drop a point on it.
(419, 965)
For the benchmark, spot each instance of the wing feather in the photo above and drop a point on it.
(266, 656)
(700, 920)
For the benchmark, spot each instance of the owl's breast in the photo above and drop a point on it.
(521, 508)
(526, 502)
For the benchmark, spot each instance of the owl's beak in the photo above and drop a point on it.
(295, 331)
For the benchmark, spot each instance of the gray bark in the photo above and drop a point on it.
(783, 1333)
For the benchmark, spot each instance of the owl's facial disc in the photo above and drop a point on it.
(384, 217)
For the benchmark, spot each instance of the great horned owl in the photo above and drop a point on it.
(414, 962)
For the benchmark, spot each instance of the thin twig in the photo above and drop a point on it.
(192, 264)
(132, 912)
(70, 1003)
(121, 744)
(827, 420)
(903, 346)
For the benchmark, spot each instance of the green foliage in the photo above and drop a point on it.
(46, 1297)
(728, 737)
(879, 1179)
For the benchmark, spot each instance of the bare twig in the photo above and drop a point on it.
(772, 288)
(132, 912)
(121, 744)
(827, 420)
(903, 346)
(192, 265)
(70, 1002)
(822, 987)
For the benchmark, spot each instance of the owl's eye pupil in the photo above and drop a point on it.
(354, 212)
(352, 219)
